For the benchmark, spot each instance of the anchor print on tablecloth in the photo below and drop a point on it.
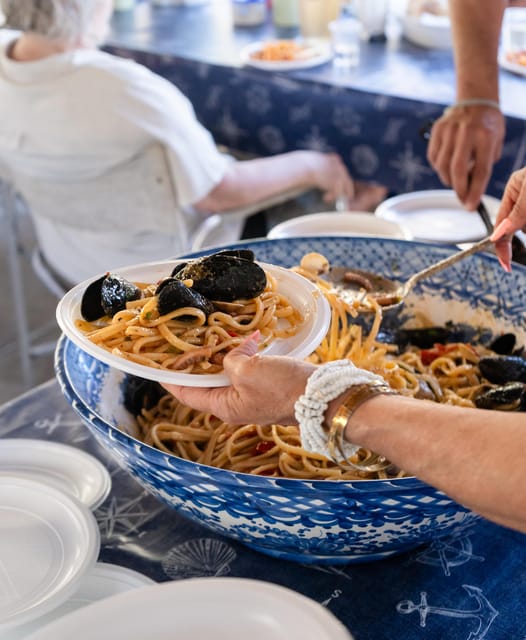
(448, 553)
(483, 614)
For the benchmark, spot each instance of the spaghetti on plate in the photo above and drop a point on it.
(188, 339)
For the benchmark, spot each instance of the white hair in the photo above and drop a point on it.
(62, 20)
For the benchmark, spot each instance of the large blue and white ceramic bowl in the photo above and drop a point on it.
(311, 521)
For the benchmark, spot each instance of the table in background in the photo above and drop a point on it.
(371, 116)
(466, 587)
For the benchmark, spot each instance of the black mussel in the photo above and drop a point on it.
(245, 254)
(139, 393)
(501, 369)
(422, 338)
(174, 294)
(178, 268)
(426, 338)
(503, 344)
(509, 397)
(224, 277)
(106, 296)
(116, 292)
(91, 303)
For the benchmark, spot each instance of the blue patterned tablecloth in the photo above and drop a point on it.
(466, 587)
(372, 116)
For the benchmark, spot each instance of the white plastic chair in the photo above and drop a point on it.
(142, 187)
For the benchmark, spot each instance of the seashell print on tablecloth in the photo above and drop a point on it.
(199, 557)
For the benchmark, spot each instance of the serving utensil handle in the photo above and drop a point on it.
(446, 262)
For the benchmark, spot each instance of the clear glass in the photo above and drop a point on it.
(345, 41)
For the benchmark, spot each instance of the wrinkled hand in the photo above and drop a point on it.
(332, 177)
(511, 216)
(465, 143)
(263, 389)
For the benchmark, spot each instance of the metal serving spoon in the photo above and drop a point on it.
(389, 294)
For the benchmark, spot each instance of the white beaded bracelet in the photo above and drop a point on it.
(326, 383)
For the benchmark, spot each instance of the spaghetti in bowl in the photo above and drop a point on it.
(290, 313)
(310, 520)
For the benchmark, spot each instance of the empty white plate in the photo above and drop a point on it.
(218, 608)
(103, 581)
(48, 541)
(437, 215)
(59, 465)
(345, 223)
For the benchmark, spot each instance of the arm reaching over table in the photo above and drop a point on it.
(467, 140)
(473, 455)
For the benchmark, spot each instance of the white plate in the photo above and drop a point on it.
(302, 294)
(321, 53)
(428, 31)
(103, 581)
(59, 465)
(437, 215)
(198, 608)
(345, 223)
(48, 542)
(518, 69)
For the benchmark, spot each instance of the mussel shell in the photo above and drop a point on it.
(91, 303)
(178, 268)
(139, 394)
(173, 294)
(115, 292)
(508, 397)
(501, 369)
(244, 254)
(225, 277)
(504, 344)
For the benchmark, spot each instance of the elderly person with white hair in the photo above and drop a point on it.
(71, 111)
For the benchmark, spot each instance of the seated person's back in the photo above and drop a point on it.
(69, 112)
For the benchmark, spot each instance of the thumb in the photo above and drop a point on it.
(243, 352)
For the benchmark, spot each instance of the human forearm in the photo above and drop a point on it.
(476, 31)
(251, 181)
(474, 456)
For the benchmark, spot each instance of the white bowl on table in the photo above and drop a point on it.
(429, 31)
(347, 223)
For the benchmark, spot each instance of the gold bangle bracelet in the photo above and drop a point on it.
(359, 394)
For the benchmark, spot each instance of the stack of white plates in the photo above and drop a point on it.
(49, 537)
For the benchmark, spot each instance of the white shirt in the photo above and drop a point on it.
(76, 115)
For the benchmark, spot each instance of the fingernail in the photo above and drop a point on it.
(503, 229)
(504, 265)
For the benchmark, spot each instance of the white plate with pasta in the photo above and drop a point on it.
(290, 314)
(285, 55)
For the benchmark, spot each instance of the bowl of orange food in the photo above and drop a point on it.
(255, 484)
